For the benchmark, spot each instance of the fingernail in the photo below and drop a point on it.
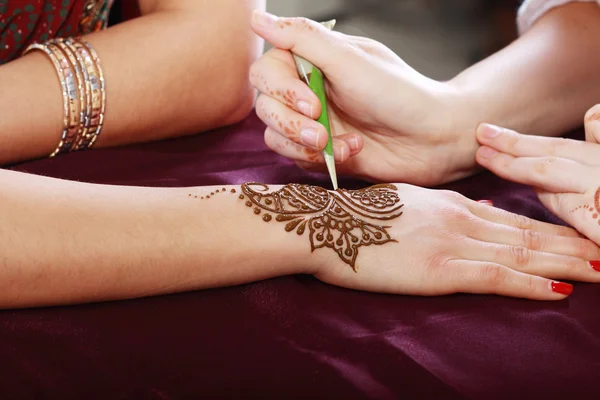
(354, 144)
(595, 265)
(305, 108)
(489, 131)
(562, 288)
(487, 152)
(339, 152)
(310, 137)
(263, 18)
(486, 202)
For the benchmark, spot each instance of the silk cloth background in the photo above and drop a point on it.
(293, 337)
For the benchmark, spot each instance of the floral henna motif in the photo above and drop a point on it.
(333, 220)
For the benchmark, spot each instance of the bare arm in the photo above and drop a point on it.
(542, 84)
(181, 68)
(69, 242)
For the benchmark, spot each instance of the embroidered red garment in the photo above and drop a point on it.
(23, 22)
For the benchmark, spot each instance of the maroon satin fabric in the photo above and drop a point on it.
(293, 337)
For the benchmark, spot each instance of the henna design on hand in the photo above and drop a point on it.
(594, 209)
(334, 219)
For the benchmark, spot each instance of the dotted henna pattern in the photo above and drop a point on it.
(594, 209)
(333, 219)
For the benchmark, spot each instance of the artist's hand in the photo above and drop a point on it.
(447, 244)
(566, 173)
(390, 122)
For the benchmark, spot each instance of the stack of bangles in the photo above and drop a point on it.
(84, 95)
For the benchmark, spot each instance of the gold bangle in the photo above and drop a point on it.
(102, 84)
(72, 99)
(83, 89)
(97, 91)
(83, 122)
(64, 144)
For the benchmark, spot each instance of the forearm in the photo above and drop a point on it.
(68, 242)
(173, 71)
(543, 83)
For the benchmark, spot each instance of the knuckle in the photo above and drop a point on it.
(573, 264)
(541, 166)
(532, 240)
(261, 107)
(452, 195)
(521, 255)
(255, 69)
(584, 249)
(522, 222)
(557, 146)
(493, 275)
(512, 138)
(269, 138)
(530, 283)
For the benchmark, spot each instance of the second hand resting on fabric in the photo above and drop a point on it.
(566, 173)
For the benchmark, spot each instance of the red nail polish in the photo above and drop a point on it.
(487, 202)
(595, 265)
(562, 288)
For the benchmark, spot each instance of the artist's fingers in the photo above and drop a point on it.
(304, 37)
(291, 125)
(481, 277)
(274, 74)
(592, 126)
(519, 145)
(550, 173)
(531, 240)
(289, 149)
(500, 216)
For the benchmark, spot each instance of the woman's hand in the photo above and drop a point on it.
(390, 122)
(447, 243)
(566, 173)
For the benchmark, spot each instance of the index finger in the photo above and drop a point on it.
(302, 36)
(274, 74)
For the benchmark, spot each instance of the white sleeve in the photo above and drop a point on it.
(532, 10)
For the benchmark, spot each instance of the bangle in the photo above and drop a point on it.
(64, 144)
(83, 122)
(83, 90)
(96, 91)
(72, 99)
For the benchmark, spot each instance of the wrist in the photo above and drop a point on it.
(451, 121)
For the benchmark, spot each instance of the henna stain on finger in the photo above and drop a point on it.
(289, 98)
(335, 220)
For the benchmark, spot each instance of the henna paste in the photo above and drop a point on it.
(333, 219)
(594, 209)
(208, 196)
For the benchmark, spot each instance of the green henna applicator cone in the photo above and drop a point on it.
(315, 80)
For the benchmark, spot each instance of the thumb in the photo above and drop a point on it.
(301, 36)
(592, 124)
